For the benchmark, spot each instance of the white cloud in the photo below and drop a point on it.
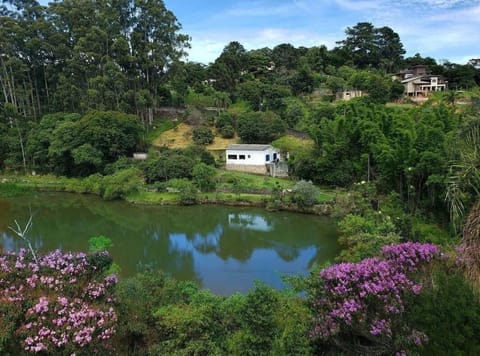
(436, 28)
(440, 3)
(205, 51)
(207, 46)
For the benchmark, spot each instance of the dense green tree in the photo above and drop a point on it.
(253, 92)
(225, 124)
(71, 145)
(203, 176)
(417, 59)
(360, 44)
(259, 127)
(260, 63)
(449, 314)
(368, 46)
(169, 164)
(41, 138)
(294, 112)
(227, 68)
(390, 49)
(285, 56)
(317, 58)
(460, 76)
(302, 81)
(75, 56)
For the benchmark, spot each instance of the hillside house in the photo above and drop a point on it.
(260, 159)
(419, 84)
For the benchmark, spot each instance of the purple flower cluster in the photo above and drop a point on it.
(367, 295)
(70, 307)
(60, 322)
(410, 254)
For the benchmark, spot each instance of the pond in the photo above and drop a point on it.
(222, 248)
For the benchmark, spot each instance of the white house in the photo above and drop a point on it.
(251, 158)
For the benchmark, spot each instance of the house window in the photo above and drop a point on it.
(241, 157)
(267, 158)
(248, 156)
(274, 157)
(232, 156)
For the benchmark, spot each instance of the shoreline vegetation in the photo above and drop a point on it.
(147, 195)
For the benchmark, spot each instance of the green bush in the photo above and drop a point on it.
(260, 127)
(204, 177)
(202, 136)
(99, 243)
(121, 183)
(207, 158)
(161, 316)
(224, 119)
(425, 232)
(449, 314)
(363, 236)
(257, 321)
(169, 165)
(122, 163)
(186, 190)
(227, 131)
(93, 184)
(225, 125)
(305, 194)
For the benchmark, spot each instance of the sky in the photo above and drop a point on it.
(441, 29)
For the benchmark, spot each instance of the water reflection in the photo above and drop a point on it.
(249, 222)
(222, 248)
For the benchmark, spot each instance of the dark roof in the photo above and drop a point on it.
(246, 147)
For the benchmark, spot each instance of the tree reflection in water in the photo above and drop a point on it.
(223, 248)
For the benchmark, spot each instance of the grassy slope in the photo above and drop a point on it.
(181, 137)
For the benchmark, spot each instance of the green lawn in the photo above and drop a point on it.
(153, 198)
(231, 187)
(245, 181)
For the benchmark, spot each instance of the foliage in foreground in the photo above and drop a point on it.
(378, 306)
(360, 307)
(449, 313)
(162, 316)
(63, 303)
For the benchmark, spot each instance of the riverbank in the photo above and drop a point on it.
(145, 195)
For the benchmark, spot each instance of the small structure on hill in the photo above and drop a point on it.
(349, 94)
(140, 156)
(260, 159)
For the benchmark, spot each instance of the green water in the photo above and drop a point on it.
(222, 248)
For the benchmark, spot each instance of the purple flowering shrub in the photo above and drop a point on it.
(359, 306)
(62, 304)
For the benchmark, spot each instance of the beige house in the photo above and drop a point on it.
(419, 84)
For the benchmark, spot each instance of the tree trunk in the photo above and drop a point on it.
(46, 86)
(21, 146)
